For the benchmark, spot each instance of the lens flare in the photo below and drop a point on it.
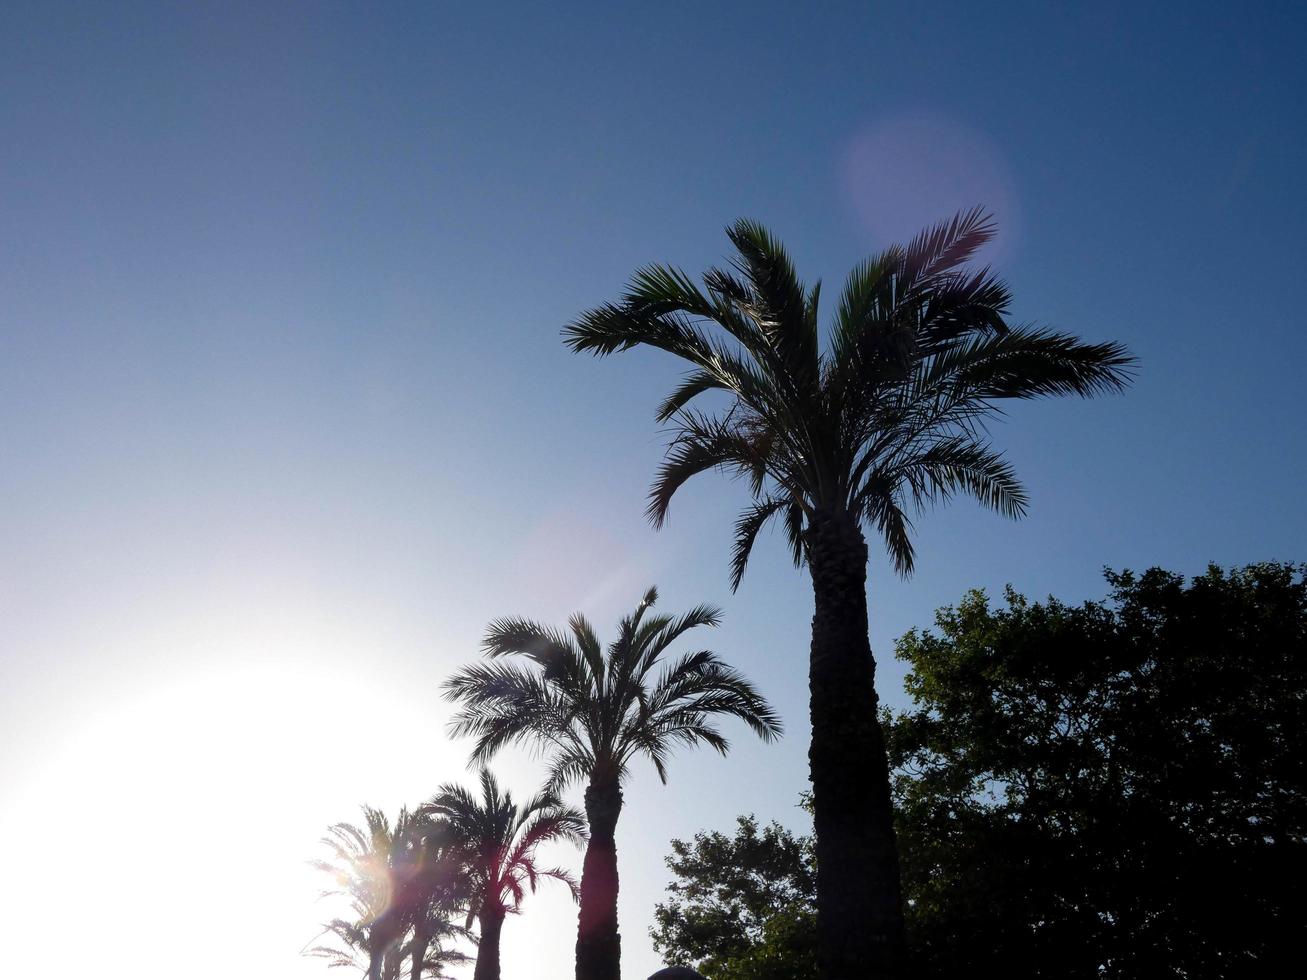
(906, 171)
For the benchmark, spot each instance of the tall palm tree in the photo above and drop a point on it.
(501, 840)
(885, 416)
(595, 713)
(403, 885)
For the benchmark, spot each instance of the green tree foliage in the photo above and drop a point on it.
(1115, 789)
(834, 434)
(1111, 790)
(740, 906)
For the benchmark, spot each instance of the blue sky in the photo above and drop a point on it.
(285, 418)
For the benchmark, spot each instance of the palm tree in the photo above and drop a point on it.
(428, 951)
(403, 884)
(501, 839)
(884, 418)
(442, 888)
(433, 958)
(595, 713)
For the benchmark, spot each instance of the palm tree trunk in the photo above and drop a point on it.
(487, 968)
(393, 963)
(598, 944)
(859, 911)
(420, 943)
(383, 941)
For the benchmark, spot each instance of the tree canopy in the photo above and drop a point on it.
(1112, 789)
(595, 711)
(878, 414)
(741, 906)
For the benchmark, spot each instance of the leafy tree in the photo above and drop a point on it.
(1110, 790)
(786, 950)
(886, 417)
(594, 713)
(500, 839)
(403, 883)
(740, 906)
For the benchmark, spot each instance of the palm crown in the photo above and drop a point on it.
(361, 860)
(596, 711)
(406, 871)
(886, 417)
(501, 838)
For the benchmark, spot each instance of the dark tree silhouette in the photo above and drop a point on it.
(594, 713)
(1109, 791)
(741, 907)
(500, 840)
(888, 416)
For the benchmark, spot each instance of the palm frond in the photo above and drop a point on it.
(508, 704)
(1029, 362)
(946, 245)
(894, 416)
(884, 511)
(948, 466)
(701, 445)
(588, 732)
(781, 301)
(695, 384)
(501, 836)
(747, 528)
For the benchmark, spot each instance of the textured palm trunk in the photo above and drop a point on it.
(492, 924)
(420, 943)
(598, 944)
(393, 963)
(384, 941)
(859, 911)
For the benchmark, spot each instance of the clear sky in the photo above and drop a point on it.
(285, 419)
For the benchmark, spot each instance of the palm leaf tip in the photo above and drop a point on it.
(747, 528)
(951, 242)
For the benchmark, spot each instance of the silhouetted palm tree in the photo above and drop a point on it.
(403, 883)
(442, 888)
(594, 713)
(429, 952)
(885, 417)
(501, 839)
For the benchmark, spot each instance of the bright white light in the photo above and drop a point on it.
(169, 835)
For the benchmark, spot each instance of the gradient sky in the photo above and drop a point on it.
(285, 419)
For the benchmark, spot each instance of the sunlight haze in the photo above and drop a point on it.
(286, 420)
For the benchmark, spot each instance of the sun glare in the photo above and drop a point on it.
(187, 815)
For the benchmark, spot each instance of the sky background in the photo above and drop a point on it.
(285, 419)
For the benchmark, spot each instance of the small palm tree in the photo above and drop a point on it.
(430, 951)
(500, 839)
(441, 891)
(595, 713)
(435, 957)
(403, 885)
(884, 417)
